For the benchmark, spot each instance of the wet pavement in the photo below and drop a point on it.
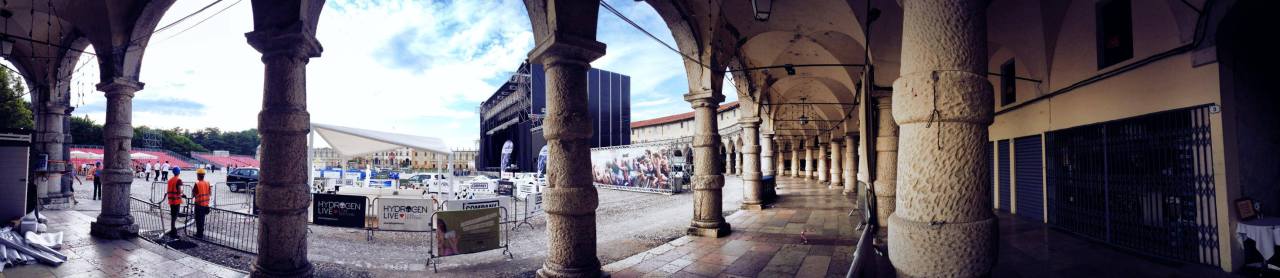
(92, 257)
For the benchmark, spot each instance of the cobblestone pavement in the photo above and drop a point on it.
(808, 233)
(627, 223)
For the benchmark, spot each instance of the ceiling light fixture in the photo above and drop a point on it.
(804, 112)
(762, 8)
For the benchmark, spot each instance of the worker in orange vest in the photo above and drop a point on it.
(174, 194)
(202, 192)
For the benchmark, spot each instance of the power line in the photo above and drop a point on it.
(205, 19)
(646, 32)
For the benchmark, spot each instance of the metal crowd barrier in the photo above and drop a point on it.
(147, 215)
(229, 229)
(504, 233)
(863, 252)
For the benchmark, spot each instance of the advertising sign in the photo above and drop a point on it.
(479, 203)
(405, 214)
(634, 167)
(338, 210)
(467, 231)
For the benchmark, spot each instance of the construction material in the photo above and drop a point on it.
(27, 252)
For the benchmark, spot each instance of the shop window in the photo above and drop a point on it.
(1008, 87)
(1115, 32)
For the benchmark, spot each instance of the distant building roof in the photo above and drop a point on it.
(678, 117)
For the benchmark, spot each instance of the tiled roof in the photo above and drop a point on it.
(678, 117)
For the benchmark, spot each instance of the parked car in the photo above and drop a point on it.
(242, 179)
(431, 182)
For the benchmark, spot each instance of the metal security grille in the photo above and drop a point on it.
(1003, 171)
(1029, 182)
(1143, 183)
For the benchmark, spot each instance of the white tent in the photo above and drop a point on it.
(350, 141)
(85, 155)
(143, 156)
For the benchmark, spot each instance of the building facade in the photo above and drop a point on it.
(514, 113)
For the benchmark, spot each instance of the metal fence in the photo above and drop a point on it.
(225, 228)
(147, 215)
(229, 229)
(1143, 183)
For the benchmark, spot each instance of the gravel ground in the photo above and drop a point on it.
(627, 223)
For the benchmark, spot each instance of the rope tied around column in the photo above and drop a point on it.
(935, 115)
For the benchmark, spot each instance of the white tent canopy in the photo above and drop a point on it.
(142, 156)
(85, 155)
(350, 141)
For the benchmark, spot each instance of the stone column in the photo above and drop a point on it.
(850, 163)
(283, 194)
(708, 219)
(884, 182)
(115, 222)
(808, 162)
(50, 137)
(835, 163)
(795, 159)
(821, 156)
(571, 198)
(753, 189)
(943, 101)
(768, 163)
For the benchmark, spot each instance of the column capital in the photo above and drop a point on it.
(294, 41)
(749, 122)
(120, 85)
(565, 48)
(767, 136)
(704, 98)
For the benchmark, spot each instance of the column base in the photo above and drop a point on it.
(752, 206)
(304, 271)
(549, 270)
(964, 249)
(720, 230)
(101, 230)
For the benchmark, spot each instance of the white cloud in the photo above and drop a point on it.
(416, 67)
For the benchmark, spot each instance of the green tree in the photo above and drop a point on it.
(85, 132)
(15, 110)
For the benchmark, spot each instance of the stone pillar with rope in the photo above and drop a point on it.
(943, 102)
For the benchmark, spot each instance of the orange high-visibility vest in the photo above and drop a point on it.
(173, 193)
(202, 193)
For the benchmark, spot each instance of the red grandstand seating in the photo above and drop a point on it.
(223, 161)
(161, 157)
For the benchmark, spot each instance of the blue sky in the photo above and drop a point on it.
(409, 66)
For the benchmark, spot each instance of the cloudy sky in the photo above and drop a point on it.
(409, 66)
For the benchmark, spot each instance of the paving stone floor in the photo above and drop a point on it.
(92, 257)
(807, 233)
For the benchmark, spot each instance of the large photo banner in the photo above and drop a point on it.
(635, 167)
(467, 231)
